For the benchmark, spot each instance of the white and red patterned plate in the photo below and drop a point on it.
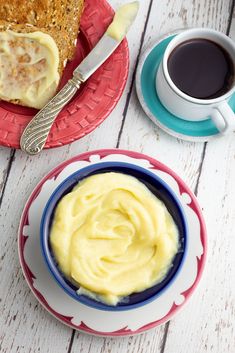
(90, 320)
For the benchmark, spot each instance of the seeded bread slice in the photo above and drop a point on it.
(61, 15)
(61, 38)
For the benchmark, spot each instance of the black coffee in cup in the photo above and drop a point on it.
(201, 68)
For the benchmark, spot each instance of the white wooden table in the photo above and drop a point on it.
(207, 323)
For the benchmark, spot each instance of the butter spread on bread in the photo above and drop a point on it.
(28, 67)
(50, 25)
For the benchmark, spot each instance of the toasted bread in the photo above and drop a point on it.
(60, 41)
(62, 15)
(61, 38)
(57, 21)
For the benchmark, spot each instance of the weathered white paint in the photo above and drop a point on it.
(185, 158)
(5, 155)
(24, 325)
(207, 323)
(212, 310)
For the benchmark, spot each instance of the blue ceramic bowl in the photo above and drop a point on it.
(158, 187)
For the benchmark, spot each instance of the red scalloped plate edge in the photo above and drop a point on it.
(157, 165)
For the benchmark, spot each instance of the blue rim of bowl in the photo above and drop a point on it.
(48, 257)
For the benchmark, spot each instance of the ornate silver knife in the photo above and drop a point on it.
(36, 132)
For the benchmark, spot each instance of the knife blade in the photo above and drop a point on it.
(103, 49)
(36, 132)
(114, 34)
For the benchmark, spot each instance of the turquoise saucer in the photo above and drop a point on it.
(145, 85)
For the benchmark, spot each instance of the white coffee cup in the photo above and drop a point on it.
(190, 108)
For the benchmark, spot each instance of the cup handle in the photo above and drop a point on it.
(223, 117)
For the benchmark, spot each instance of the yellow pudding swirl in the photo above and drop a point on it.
(113, 237)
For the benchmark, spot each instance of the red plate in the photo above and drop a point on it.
(94, 101)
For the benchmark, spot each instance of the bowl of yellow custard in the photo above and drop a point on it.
(114, 236)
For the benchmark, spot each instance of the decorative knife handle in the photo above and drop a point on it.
(36, 132)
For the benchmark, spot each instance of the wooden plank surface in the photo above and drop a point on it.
(5, 158)
(207, 323)
(212, 309)
(185, 158)
(25, 325)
